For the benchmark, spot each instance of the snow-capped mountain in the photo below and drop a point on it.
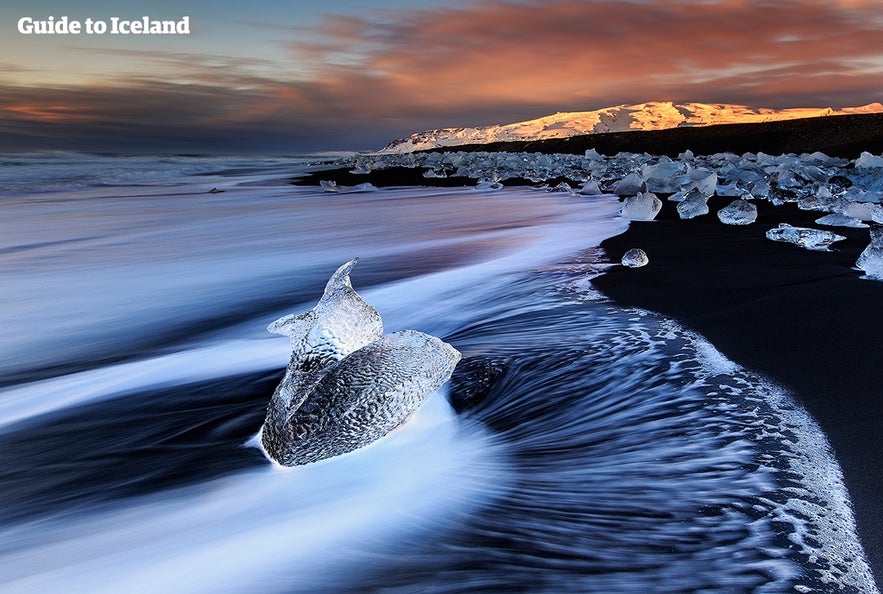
(657, 115)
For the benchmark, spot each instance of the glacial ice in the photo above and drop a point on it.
(590, 188)
(738, 212)
(346, 384)
(643, 207)
(811, 239)
(867, 160)
(839, 220)
(694, 204)
(841, 190)
(332, 186)
(630, 185)
(635, 258)
(871, 259)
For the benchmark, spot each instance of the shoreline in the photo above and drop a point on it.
(804, 319)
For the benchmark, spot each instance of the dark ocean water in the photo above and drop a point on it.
(596, 449)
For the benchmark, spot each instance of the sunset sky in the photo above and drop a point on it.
(272, 76)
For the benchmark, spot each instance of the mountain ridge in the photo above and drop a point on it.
(650, 116)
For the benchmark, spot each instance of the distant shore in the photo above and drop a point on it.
(803, 319)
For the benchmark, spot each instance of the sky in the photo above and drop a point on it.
(297, 76)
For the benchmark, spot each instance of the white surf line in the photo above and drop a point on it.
(228, 358)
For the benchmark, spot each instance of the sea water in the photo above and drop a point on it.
(614, 452)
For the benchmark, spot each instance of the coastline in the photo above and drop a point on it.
(804, 319)
(800, 318)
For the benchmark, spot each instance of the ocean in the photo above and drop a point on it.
(581, 447)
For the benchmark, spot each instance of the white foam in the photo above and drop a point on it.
(254, 530)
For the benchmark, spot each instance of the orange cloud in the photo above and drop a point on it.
(565, 52)
(356, 82)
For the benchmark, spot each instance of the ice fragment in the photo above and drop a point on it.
(738, 212)
(635, 258)
(811, 239)
(643, 207)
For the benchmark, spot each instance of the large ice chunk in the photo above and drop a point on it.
(811, 239)
(346, 384)
(694, 204)
(867, 160)
(839, 220)
(738, 212)
(643, 207)
(630, 185)
(332, 186)
(871, 259)
(635, 258)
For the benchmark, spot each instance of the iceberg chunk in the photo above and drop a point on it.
(635, 258)
(694, 204)
(871, 259)
(346, 384)
(630, 185)
(867, 160)
(590, 188)
(738, 212)
(811, 239)
(839, 220)
(643, 207)
(332, 186)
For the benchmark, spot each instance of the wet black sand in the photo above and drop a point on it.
(804, 319)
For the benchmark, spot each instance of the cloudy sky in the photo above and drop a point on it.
(273, 76)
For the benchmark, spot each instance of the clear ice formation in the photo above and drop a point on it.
(871, 259)
(630, 185)
(694, 204)
(635, 258)
(738, 212)
(643, 207)
(332, 186)
(839, 220)
(816, 182)
(811, 239)
(347, 384)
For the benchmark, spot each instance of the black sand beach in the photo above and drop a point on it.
(804, 319)
(801, 318)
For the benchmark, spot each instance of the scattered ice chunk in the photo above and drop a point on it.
(694, 204)
(635, 258)
(839, 220)
(630, 185)
(486, 184)
(687, 155)
(811, 239)
(591, 188)
(435, 174)
(867, 160)
(871, 259)
(643, 207)
(738, 212)
(662, 177)
(707, 184)
(332, 186)
(562, 187)
(864, 211)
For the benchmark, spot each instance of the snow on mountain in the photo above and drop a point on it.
(656, 115)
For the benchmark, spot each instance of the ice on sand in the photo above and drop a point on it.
(635, 258)
(839, 220)
(694, 204)
(643, 207)
(871, 259)
(630, 185)
(332, 186)
(811, 239)
(738, 212)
